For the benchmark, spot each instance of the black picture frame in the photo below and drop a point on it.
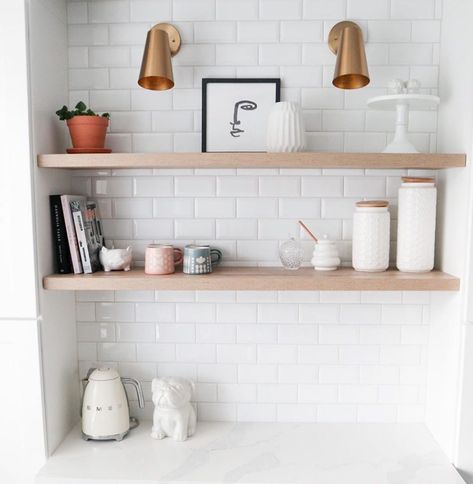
(206, 82)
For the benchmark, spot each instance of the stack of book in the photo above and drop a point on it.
(77, 234)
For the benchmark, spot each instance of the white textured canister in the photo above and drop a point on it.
(371, 236)
(416, 225)
(285, 128)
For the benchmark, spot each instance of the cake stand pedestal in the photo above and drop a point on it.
(402, 103)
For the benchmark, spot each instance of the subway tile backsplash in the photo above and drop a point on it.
(256, 356)
(298, 354)
(246, 214)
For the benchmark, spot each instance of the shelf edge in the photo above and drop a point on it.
(254, 160)
(219, 281)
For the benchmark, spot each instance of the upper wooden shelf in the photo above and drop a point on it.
(256, 279)
(253, 160)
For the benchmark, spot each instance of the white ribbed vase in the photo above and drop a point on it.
(371, 227)
(416, 226)
(285, 128)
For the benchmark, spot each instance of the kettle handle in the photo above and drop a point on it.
(85, 382)
(139, 392)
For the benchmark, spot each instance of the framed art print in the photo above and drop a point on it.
(235, 113)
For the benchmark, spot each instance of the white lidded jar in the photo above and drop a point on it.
(416, 225)
(325, 256)
(371, 226)
(285, 130)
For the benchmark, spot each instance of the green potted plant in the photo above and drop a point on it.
(87, 129)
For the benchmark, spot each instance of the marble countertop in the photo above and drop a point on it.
(257, 453)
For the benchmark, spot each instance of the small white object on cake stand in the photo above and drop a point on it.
(402, 103)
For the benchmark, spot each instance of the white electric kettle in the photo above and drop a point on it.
(105, 409)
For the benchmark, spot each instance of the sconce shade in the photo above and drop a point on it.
(162, 42)
(351, 68)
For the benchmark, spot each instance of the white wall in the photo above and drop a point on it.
(250, 38)
(21, 410)
(267, 356)
(449, 416)
(48, 81)
(18, 282)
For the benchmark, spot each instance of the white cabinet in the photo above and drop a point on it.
(18, 283)
(22, 446)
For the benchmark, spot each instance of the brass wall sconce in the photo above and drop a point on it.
(351, 70)
(162, 42)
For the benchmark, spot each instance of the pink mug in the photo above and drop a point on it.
(161, 259)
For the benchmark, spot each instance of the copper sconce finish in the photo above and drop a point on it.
(162, 42)
(351, 70)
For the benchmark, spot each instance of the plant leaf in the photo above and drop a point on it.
(79, 110)
(63, 113)
(81, 107)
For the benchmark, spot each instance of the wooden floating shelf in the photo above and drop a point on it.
(253, 160)
(256, 279)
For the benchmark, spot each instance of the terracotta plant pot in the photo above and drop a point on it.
(88, 132)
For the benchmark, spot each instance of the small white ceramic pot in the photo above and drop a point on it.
(285, 128)
(325, 256)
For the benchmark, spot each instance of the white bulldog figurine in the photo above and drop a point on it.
(115, 259)
(174, 416)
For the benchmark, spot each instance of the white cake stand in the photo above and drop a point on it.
(402, 103)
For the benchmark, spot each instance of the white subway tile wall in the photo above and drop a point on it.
(264, 356)
(247, 215)
(337, 360)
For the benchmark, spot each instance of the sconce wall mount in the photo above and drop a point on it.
(351, 69)
(162, 42)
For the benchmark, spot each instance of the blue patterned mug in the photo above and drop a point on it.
(198, 259)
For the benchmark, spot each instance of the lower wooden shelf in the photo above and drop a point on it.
(256, 279)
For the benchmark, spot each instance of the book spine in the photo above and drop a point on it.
(71, 235)
(95, 216)
(93, 239)
(82, 241)
(61, 245)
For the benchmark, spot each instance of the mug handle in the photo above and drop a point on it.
(218, 256)
(178, 257)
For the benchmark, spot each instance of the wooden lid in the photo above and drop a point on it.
(372, 203)
(417, 179)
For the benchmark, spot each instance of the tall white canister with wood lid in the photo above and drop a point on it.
(416, 224)
(371, 236)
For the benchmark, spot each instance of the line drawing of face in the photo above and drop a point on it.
(245, 105)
